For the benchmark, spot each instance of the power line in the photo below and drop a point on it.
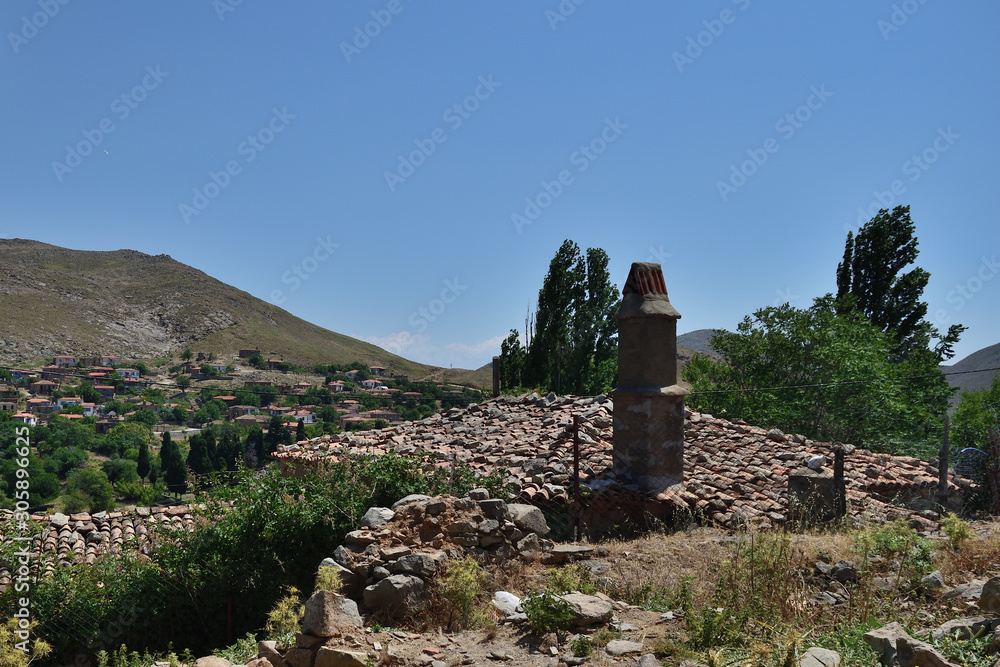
(839, 383)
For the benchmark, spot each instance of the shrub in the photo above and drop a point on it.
(575, 577)
(328, 579)
(460, 584)
(284, 619)
(548, 613)
(11, 655)
(956, 529)
(581, 647)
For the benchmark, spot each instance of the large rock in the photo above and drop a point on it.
(619, 647)
(964, 628)
(269, 650)
(212, 661)
(339, 657)
(820, 657)
(326, 614)
(588, 609)
(422, 565)
(351, 583)
(410, 499)
(396, 596)
(892, 642)
(376, 517)
(989, 599)
(528, 517)
(300, 657)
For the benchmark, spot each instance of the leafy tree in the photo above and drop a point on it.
(172, 464)
(300, 430)
(43, 487)
(256, 360)
(870, 280)
(187, 354)
(229, 451)
(823, 375)
(975, 414)
(93, 485)
(65, 459)
(143, 464)
(126, 436)
(575, 346)
(120, 471)
(202, 453)
(183, 381)
(89, 394)
(512, 356)
(276, 435)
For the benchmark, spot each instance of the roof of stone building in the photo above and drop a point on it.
(732, 472)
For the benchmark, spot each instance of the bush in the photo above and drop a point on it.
(460, 584)
(328, 579)
(94, 486)
(284, 619)
(548, 613)
(956, 529)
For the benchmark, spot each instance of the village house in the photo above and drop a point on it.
(217, 367)
(128, 373)
(39, 405)
(301, 388)
(19, 373)
(67, 401)
(89, 409)
(335, 386)
(303, 416)
(26, 418)
(371, 383)
(111, 360)
(65, 361)
(43, 387)
(247, 353)
(8, 406)
(241, 410)
(277, 410)
(105, 390)
(377, 371)
(351, 374)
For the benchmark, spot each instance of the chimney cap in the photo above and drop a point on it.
(645, 293)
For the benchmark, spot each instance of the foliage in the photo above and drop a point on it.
(144, 416)
(460, 585)
(869, 281)
(15, 650)
(284, 619)
(94, 487)
(173, 466)
(574, 348)
(824, 375)
(569, 578)
(240, 653)
(327, 579)
(65, 459)
(548, 613)
(897, 542)
(144, 462)
(581, 647)
(120, 471)
(129, 435)
(956, 529)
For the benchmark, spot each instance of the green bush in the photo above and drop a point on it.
(460, 585)
(956, 529)
(548, 613)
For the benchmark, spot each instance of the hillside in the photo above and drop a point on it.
(59, 301)
(974, 377)
(697, 341)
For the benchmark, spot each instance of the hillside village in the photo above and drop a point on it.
(108, 393)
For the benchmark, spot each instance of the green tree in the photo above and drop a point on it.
(89, 394)
(120, 471)
(172, 464)
(823, 375)
(871, 280)
(187, 354)
(511, 361)
(574, 348)
(92, 485)
(143, 464)
(126, 436)
(276, 435)
(65, 459)
(300, 430)
(183, 381)
(975, 414)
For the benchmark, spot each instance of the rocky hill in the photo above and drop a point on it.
(59, 301)
(973, 369)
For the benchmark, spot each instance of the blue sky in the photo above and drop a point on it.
(403, 171)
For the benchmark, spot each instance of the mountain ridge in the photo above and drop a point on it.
(56, 300)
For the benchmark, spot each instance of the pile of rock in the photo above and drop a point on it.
(388, 563)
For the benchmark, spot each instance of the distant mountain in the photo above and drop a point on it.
(59, 301)
(698, 341)
(973, 376)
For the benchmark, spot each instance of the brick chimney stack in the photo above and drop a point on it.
(648, 403)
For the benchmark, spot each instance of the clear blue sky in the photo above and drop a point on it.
(643, 109)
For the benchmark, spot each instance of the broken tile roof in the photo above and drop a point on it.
(733, 472)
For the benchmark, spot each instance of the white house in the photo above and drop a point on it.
(27, 418)
(128, 373)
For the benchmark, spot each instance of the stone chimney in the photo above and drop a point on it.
(648, 403)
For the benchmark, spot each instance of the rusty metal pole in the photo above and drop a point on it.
(576, 477)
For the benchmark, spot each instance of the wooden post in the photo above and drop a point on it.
(576, 477)
(496, 376)
(838, 480)
(943, 465)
